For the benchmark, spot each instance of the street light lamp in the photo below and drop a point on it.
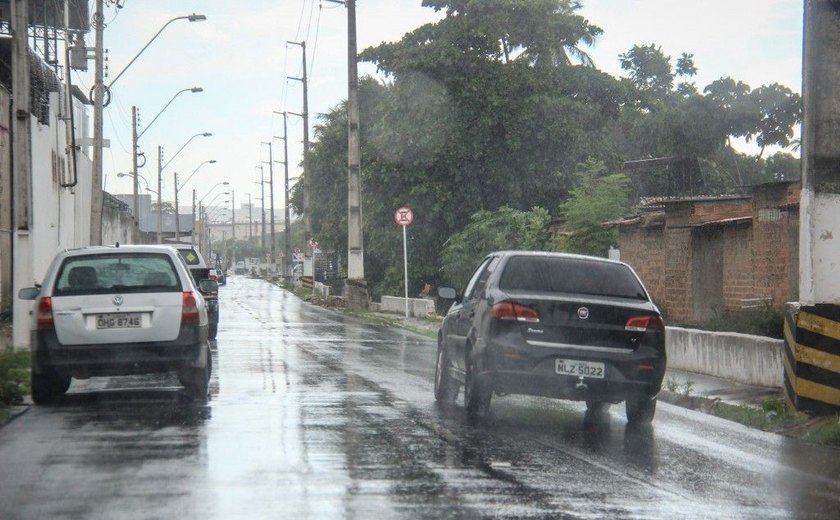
(177, 189)
(223, 183)
(129, 174)
(200, 134)
(135, 137)
(191, 17)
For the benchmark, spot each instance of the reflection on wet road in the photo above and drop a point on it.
(315, 415)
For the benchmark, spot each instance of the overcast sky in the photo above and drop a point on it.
(241, 59)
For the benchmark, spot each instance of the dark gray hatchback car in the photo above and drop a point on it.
(554, 325)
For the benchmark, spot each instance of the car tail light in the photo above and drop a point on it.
(644, 323)
(189, 310)
(514, 311)
(45, 315)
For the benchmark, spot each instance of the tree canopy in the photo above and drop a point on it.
(494, 119)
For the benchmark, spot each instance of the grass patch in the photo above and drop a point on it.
(14, 377)
(761, 321)
(773, 416)
(825, 431)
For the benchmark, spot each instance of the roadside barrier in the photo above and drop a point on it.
(812, 357)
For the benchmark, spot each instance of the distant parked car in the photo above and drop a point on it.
(112, 311)
(201, 271)
(555, 325)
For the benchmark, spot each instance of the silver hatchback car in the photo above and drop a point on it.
(110, 311)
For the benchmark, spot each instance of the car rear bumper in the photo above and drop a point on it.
(567, 387)
(83, 361)
(533, 372)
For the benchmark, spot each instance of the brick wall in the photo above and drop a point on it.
(755, 239)
(738, 267)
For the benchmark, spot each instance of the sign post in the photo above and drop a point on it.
(403, 217)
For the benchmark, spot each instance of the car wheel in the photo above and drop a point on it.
(446, 388)
(476, 397)
(196, 380)
(640, 410)
(48, 385)
(212, 330)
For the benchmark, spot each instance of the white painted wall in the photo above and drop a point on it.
(61, 216)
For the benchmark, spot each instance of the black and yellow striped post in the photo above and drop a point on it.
(306, 282)
(812, 357)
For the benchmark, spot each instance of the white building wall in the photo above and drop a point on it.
(61, 215)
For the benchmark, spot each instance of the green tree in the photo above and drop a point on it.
(488, 231)
(599, 198)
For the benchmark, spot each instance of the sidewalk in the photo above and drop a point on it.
(680, 383)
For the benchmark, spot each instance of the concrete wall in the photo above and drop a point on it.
(60, 215)
(754, 360)
(417, 307)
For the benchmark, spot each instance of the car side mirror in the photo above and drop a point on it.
(448, 293)
(29, 293)
(208, 286)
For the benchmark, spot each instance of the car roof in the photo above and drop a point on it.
(130, 248)
(553, 254)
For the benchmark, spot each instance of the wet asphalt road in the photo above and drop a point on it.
(315, 415)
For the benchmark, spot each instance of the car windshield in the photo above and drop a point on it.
(105, 273)
(570, 275)
(190, 256)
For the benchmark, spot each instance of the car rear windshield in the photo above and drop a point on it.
(123, 272)
(570, 275)
(190, 256)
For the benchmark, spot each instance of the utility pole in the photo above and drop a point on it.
(262, 208)
(98, 92)
(271, 190)
(22, 271)
(250, 219)
(135, 174)
(357, 292)
(177, 220)
(308, 267)
(159, 190)
(192, 235)
(287, 247)
(233, 214)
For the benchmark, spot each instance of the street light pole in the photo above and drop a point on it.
(177, 189)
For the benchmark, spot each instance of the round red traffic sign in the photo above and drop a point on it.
(403, 216)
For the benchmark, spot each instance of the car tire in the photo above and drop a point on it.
(212, 330)
(47, 386)
(476, 396)
(446, 388)
(196, 380)
(640, 410)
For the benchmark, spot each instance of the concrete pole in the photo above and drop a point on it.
(159, 190)
(308, 266)
(135, 174)
(287, 240)
(177, 220)
(192, 235)
(271, 194)
(21, 254)
(355, 248)
(820, 199)
(96, 197)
